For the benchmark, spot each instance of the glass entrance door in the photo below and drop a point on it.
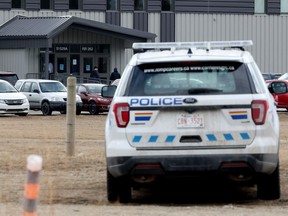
(75, 64)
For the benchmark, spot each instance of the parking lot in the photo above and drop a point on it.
(77, 185)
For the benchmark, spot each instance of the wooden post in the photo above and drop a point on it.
(71, 115)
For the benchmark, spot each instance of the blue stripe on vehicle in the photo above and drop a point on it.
(235, 117)
(153, 139)
(245, 136)
(137, 139)
(211, 137)
(228, 137)
(169, 138)
(142, 118)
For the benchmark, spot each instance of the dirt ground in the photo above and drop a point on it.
(77, 185)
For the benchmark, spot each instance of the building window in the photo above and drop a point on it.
(139, 5)
(73, 4)
(112, 4)
(167, 5)
(17, 4)
(284, 6)
(260, 6)
(46, 4)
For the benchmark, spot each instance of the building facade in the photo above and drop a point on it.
(262, 21)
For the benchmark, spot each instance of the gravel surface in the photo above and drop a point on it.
(77, 185)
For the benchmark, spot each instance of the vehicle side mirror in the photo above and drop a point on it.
(108, 91)
(36, 91)
(278, 88)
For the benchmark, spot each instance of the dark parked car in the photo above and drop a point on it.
(93, 102)
(279, 90)
(9, 76)
(271, 76)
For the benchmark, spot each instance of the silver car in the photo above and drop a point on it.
(46, 95)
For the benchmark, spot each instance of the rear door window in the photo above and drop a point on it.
(190, 78)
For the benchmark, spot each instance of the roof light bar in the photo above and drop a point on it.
(199, 45)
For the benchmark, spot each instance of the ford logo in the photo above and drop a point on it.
(190, 100)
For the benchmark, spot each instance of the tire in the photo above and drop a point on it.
(125, 190)
(112, 187)
(93, 110)
(268, 187)
(63, 112)
(78, 112)
(46, 110)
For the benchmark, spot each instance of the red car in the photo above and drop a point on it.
(279, 90)
(93, 102)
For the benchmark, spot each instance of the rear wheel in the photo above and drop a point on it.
(46, 110)
(125, 190)
(268, 187)
(112, 187)
(93, 110)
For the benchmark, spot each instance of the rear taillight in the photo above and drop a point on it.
(121, 112)
(259, 111)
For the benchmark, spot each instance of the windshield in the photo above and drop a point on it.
(95, 88)
(189, 78)
(6, 88)
(52, 87)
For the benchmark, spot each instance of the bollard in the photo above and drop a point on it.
(32, 186)
(71, 112)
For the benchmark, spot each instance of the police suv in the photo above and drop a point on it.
(184, 109)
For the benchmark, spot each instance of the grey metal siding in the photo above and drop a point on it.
(33, 4)
(273, 7)
(215, 6)
(268, 33)
(167, 27)
(113, 17)
(61, 5)
(126, 5)
(5, 4)
(93, 5)
(140, 21)
(154, 5)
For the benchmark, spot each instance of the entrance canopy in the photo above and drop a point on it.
(38, 32)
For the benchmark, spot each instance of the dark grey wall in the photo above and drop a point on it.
(140, 21)
(215, 6)
(192, 6)
(167, 31)
(61, 5)
(154, 5)
(94, 5)
(5, 4)
(33, 4)
(273, 6)
(126, 5)
(113, 17)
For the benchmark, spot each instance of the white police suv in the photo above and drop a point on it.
(192, 108)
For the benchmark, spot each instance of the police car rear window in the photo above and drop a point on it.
(189, 78)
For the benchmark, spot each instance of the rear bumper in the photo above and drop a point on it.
(192, 165)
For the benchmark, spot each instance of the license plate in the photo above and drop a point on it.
(190, 121)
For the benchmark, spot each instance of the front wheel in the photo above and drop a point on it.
(46, 109)
(268, 187)
(93, 110)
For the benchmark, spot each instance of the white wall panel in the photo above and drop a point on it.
(269, 34)
(8, 57)
(154, 24)
(127, 20)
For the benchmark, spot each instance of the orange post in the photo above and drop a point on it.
(32, 186)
